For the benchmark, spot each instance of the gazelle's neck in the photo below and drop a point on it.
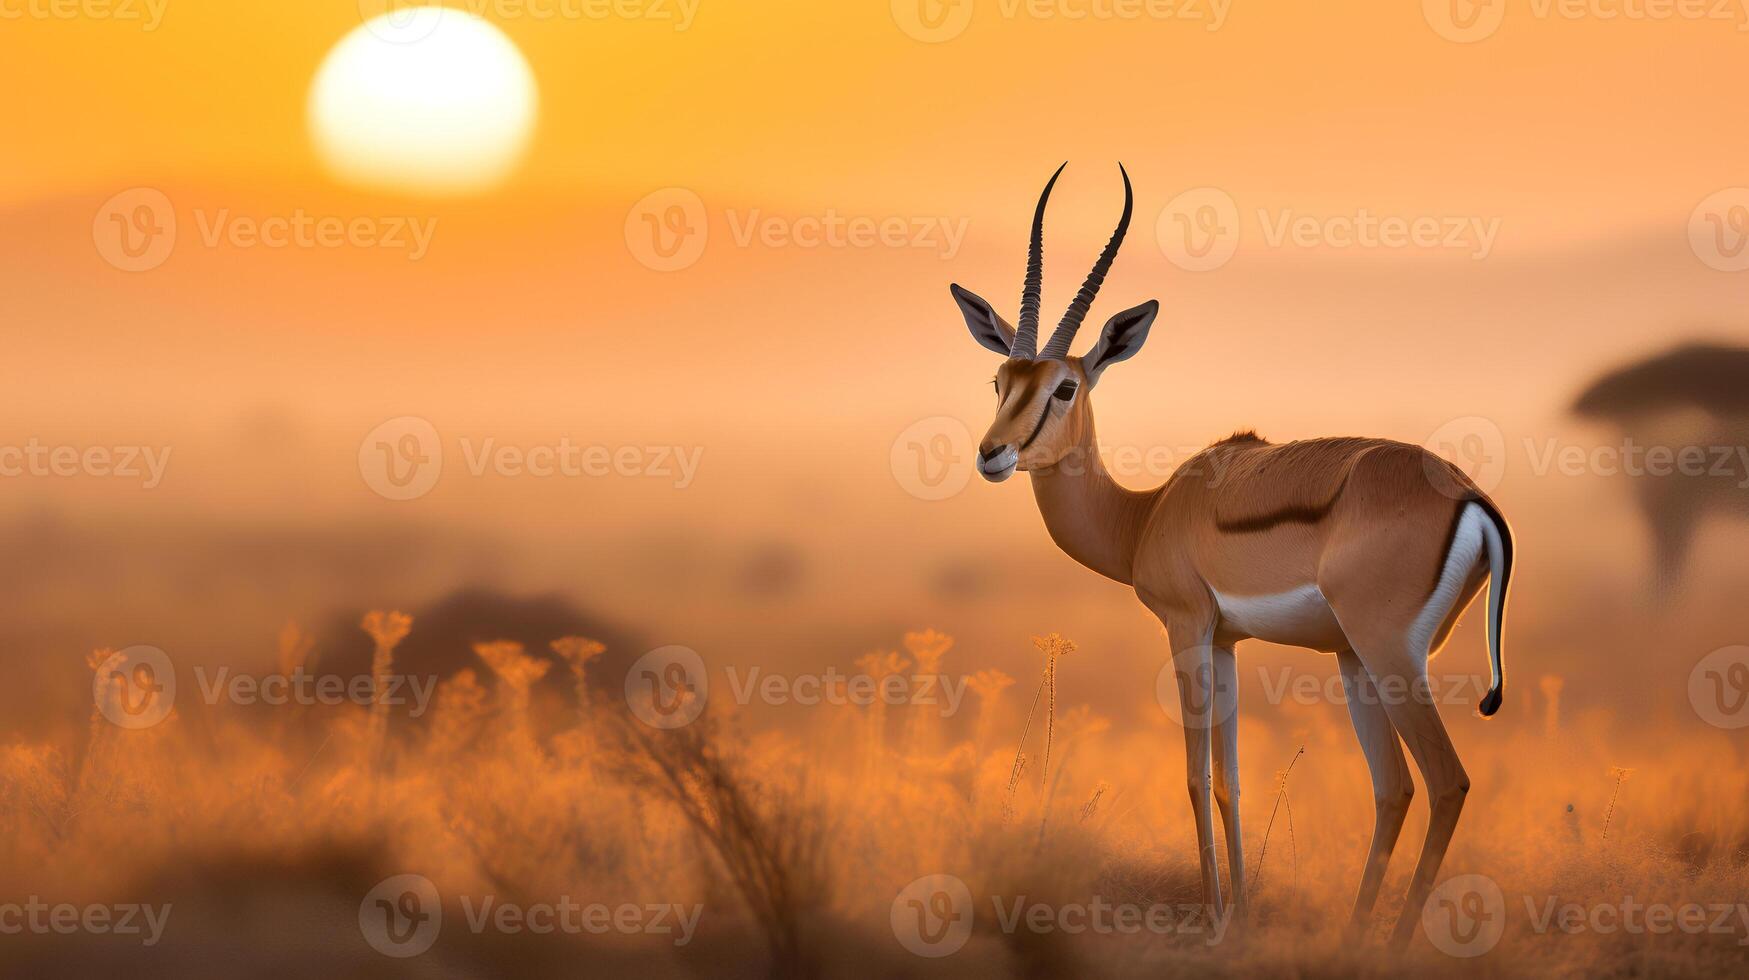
(1090, 516)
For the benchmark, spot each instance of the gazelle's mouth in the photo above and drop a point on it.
(1000, 466)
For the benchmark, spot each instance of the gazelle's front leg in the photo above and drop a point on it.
(1193, 666)
(1224, 748)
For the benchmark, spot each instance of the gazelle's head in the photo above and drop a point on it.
(1041, 395)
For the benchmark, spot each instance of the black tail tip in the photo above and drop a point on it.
(1490, 702)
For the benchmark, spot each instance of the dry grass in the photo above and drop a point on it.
(796, 838)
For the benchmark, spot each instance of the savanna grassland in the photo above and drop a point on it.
(793, 850)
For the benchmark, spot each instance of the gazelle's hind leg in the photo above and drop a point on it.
(1392, 787)
(1417, 721)
(1395, 654)
(1391, 587)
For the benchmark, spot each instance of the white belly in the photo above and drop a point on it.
(1302, 617)
(1297, 617)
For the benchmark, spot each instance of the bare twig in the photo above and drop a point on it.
(1281, 794)
(1621, 776)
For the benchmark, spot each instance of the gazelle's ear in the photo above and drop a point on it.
(986, 324)
(1121, 337)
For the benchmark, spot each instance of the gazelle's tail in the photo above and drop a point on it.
(1498, 536)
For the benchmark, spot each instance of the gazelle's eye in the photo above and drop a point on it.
(1064, 392)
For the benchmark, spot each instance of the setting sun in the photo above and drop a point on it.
(430, 101)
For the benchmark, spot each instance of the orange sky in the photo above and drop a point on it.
(1588, 141)
(1566, 125)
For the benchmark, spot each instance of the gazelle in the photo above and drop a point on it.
(1365, 548)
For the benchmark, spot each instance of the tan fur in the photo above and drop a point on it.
(1244, 516)
(1359, 527)
(1366, 548)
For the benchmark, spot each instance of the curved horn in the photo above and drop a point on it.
(1058, 347)
(1026, 334)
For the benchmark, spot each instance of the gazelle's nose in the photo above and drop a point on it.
(996, 462)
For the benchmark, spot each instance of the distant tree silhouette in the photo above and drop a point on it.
(1694, 398)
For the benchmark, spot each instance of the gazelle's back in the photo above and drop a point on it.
(1248, 518)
